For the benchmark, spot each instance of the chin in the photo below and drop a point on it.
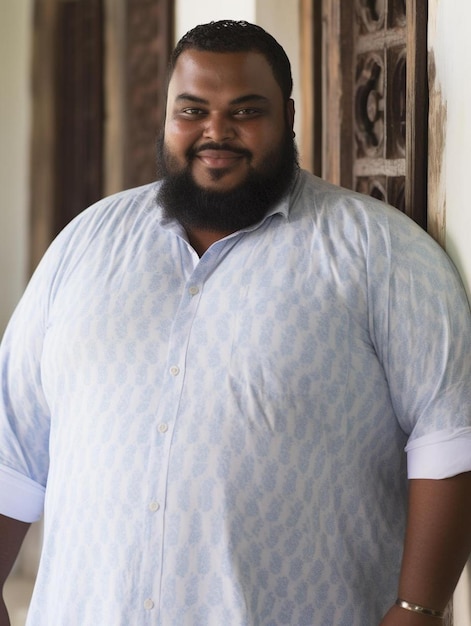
(218, 180)
(218, 187)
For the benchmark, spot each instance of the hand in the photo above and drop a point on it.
(396, 616)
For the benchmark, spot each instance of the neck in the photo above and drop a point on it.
(201, 239)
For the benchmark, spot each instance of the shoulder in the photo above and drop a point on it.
(97, 232)
(350, 215)
(111, 217)
(334, 202)
(130, 204)
(351, 228)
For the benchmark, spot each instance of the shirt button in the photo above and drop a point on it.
(174, 370)
(154, 506)
(193, 290)
(148, 604)
(163, 428)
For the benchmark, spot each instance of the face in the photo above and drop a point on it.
(226, 118)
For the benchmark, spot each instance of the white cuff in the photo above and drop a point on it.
(20, 497)
(442, 454)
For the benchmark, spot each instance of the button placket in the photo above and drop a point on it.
(168, 412)
(166, 418)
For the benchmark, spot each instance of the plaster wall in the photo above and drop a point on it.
(450, 48)
(453, 65)
(15, 106)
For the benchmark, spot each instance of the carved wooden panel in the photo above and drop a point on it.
(375, 100)
(380, 100)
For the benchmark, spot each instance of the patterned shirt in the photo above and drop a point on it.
(220, 440)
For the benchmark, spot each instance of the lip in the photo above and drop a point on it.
(216, 159)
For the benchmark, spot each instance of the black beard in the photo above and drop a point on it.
(226, 211)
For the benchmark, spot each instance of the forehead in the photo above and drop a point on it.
(201, 73)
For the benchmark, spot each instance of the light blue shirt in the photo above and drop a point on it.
(221, 440)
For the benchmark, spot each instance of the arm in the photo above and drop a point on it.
(12, 533)
(437, 545)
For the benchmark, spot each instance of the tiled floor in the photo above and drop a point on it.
(17, 595)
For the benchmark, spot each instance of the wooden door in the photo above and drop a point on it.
(374, 99)
(91, 58)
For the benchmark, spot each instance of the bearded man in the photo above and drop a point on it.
(210, 382)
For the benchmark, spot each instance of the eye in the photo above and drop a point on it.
(247, 112)
(192, 112)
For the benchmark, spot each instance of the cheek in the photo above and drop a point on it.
(179, 131)
(263, 143)
(173, 144)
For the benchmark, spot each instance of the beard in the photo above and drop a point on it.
(231, 210)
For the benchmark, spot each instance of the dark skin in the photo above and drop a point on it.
(12, 533)
(201, 240)
(437, 546)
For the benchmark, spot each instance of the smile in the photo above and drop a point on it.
(216, 159)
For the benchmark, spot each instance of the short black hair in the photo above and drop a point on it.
(237, 36)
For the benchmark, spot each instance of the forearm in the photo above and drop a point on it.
(12, 533)
(437, 545)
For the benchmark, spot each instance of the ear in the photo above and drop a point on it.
(290, 113)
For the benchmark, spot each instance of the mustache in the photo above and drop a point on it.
(212, 145)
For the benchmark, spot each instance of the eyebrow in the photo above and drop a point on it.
(251, 97)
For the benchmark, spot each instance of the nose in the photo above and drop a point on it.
(218, 127)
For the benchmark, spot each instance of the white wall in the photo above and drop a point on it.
(15, 104)
(452, 51)
(189, 13)
(450, 42)
(15, 110)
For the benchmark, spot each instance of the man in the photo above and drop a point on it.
(209, 385)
